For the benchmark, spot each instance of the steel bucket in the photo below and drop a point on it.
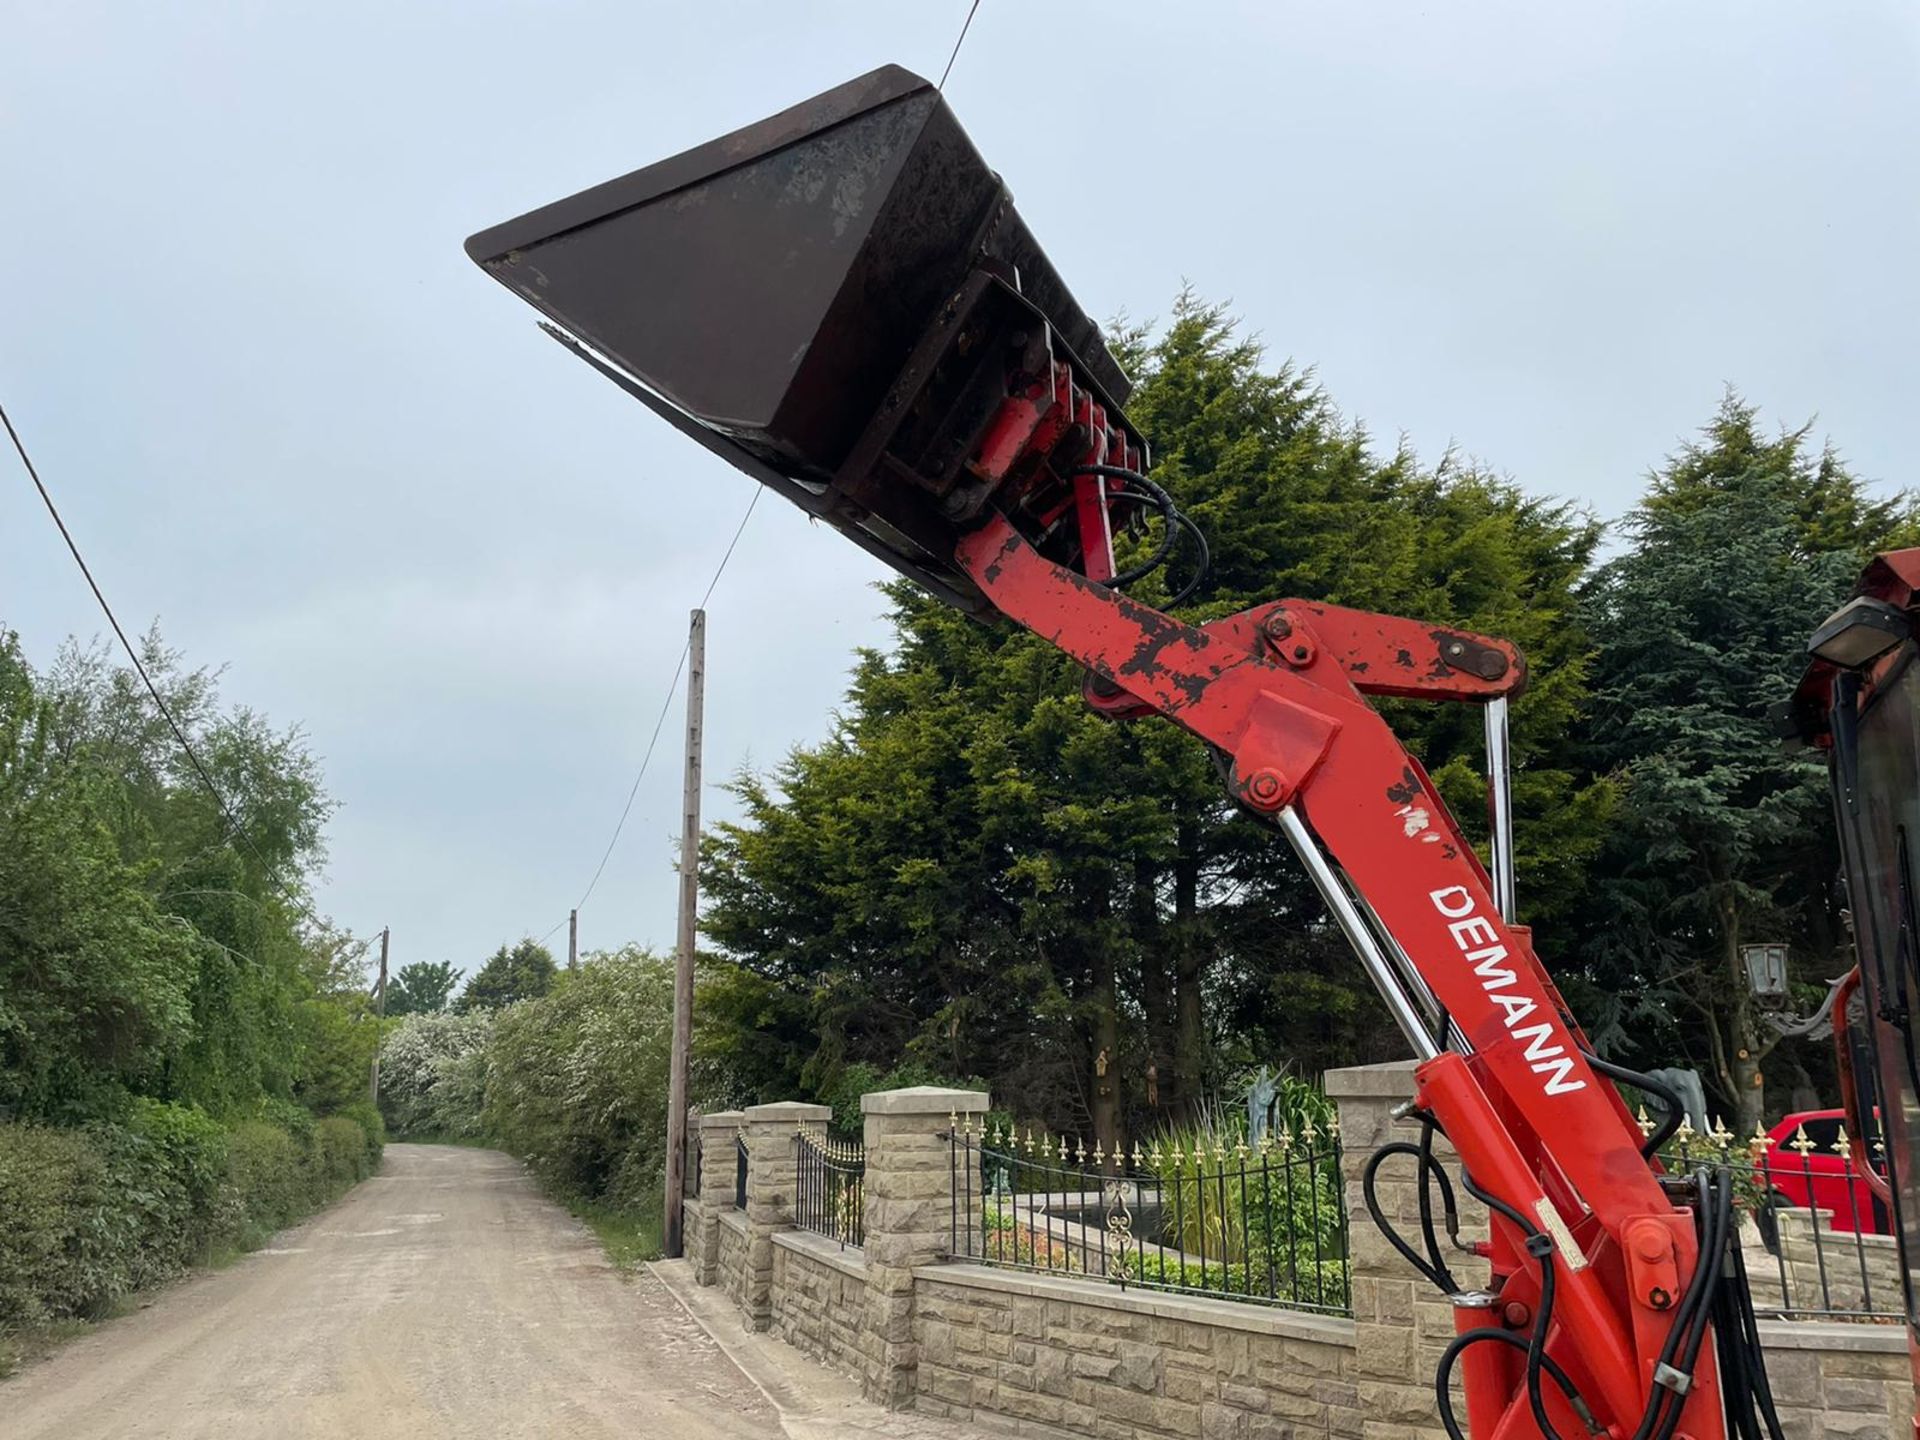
(765, 290)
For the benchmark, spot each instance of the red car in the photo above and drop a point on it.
(1822, 1177)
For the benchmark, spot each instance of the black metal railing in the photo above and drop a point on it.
(1264, 1222)
(829, 1187)
(1816, 1241)
(740, 1172)
(690, 1165)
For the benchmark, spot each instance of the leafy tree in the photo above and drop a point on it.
(150, 941)
(165, 991)
(233, 879)
(977, 874)
(525, 972)
(422, 988)
(338, 1038)
(1741, 545)
(96, 982)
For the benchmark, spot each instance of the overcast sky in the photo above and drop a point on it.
(288, 418)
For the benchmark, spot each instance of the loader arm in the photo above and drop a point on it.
(843, 302)
(1277, 691)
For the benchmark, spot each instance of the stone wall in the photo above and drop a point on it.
(1055, 1355)
(1827, 1269)
(1048, 1353)
(772, 1166)
(730, 1273)
(714, 1192)
(909, 1199)
(1839, 1380)
(819, 1299)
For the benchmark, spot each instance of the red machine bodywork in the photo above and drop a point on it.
(1279, 690)
(919, 377)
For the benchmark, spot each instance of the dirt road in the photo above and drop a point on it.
(443, 1298)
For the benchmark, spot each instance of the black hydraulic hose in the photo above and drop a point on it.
(1427, 1164)
(1169, 515)
(1541, 1248)
(1662, 1415)
(1431, 1265)
(1203, 564)
(1712, 1264)
(1443, 1377)
(1670, 1102)
(1450, 1211)
(1709, 1302)
(1203, 552)
(1743, 1364)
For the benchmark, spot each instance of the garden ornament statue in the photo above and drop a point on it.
(1260, 1097)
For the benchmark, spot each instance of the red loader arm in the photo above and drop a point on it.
(1279, 691)
(917, 375)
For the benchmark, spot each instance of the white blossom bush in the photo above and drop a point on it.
(577, 1080)
(433, 1074)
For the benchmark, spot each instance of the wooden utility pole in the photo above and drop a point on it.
(672, 1242)
(573, 940)
(379, 1008)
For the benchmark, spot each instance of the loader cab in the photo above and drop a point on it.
(1860, 700)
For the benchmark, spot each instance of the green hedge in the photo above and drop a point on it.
(88, 1215)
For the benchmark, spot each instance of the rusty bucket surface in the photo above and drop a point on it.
(769, 285)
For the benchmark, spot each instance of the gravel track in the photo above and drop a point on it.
(445, 1297)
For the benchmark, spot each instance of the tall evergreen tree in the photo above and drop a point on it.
(1741, 545)
(977, 872)
(524, 972)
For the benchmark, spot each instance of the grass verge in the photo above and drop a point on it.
(628, 1239)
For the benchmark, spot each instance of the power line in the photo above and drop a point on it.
(956, 46)
(666, 707)
(140, 669)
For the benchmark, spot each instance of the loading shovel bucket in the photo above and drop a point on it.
(789, 295)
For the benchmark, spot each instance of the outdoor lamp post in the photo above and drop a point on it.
(1766, 969)
(1859, 632)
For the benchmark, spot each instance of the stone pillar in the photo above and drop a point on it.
(714, 1185)
(770, 1185)
(1401, 1323)
(909, 1216)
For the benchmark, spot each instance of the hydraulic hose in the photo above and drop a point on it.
(1673, 1108)
(1174, 522)
(1662, 1415)
(1710, 1301)
(1203, 561)
(1540, 1247)
(1433, 1264)
(1169, 513)
(1443, 1377)
(1743, 1364)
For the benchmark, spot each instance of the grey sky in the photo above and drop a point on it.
(287, 416)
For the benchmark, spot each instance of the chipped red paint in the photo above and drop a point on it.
(1280, 690)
